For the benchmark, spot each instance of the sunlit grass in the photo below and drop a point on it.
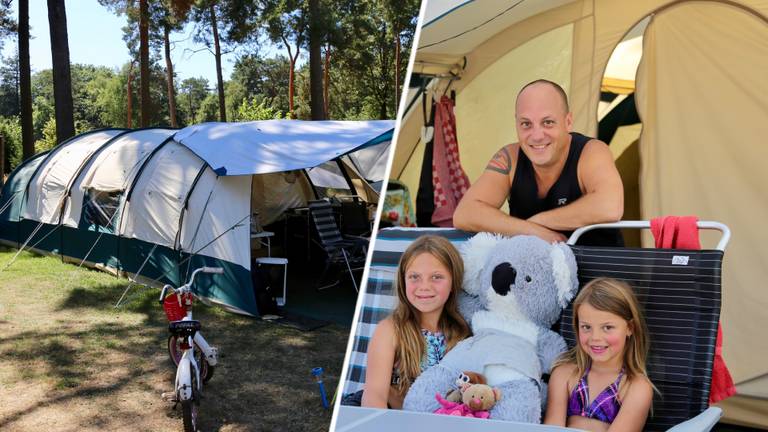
(67, 352)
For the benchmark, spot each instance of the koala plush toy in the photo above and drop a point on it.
(515, 289)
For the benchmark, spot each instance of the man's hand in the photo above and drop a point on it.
(547, 234)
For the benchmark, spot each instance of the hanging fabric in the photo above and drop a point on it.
(448, 178)
(682, 233)
(425, 201)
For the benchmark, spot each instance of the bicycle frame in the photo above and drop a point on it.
(188, 364)
(183, 383)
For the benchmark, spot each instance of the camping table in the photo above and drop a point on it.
(351, 418)
(262, 236)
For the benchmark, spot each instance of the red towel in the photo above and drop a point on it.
(682, 233)
(448, 178)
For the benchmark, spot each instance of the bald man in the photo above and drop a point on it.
(555, 180)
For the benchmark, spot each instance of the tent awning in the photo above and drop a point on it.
(269, 146)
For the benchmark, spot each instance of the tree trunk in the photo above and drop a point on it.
(169, 72)
(25, 83)
(292, 61)
(146, 103)
(130, 97)
(2, 161)
(397, 68)
(217, 54)
(315, 62)
(290, 89)
(191, 107)
(384, 75)
(62, 79)
(327, 81)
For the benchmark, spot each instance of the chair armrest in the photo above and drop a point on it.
(701, 423)
(356, 238)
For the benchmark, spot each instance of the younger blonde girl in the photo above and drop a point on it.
(602, 384)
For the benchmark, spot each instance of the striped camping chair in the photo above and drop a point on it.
(681, 302)
(347, 250)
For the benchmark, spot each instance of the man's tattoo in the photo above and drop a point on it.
(501, 162)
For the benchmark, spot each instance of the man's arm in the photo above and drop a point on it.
(479, 210)
(603, 198)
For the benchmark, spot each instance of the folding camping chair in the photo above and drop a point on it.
(347, 250)
(682, 304)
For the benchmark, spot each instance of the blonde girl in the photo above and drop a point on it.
(601, 384)
(424, 326)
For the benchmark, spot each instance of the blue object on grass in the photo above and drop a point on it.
(318, 374)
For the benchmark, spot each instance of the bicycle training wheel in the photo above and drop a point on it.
(175, 351)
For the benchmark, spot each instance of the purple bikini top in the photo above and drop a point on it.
(606, 405)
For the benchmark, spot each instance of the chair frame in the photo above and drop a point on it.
(336, 246)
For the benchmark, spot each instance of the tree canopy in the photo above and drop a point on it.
(359, 39)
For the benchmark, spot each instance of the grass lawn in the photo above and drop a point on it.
(70, 361)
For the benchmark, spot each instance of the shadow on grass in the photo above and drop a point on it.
(77, 361)
(262, 382)
(139, 299)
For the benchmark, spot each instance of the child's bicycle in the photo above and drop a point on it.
(194, 358)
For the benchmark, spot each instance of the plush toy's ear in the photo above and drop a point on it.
(564, 271)
(475, 252)
(497, 394)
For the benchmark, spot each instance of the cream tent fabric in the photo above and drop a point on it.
(219, 208)
(48, 188)
(114, 168)
(703, 88)
(702, 99)
(158, 197)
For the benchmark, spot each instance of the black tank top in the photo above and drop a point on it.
(524, 200)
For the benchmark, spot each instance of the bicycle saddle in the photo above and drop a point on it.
(184, 328)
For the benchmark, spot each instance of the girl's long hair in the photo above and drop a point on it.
(410, 342)
(616, 297)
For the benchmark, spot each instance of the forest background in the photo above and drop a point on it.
(302, 59)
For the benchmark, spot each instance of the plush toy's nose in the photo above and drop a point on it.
(503, 277)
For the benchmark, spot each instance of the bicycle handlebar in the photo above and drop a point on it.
(214, 270)
(186, 287)
(162, 293)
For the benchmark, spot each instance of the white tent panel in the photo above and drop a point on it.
(48, 188)
(155, 207)
(267, 146)
(328, 175)
(217, 221)
(114, 168)
(371, 161)
(120, 163)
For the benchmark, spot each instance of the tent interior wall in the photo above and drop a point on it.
(699, 91)
(147, 204)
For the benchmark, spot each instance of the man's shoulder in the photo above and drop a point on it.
(504, 160)
(593, 147)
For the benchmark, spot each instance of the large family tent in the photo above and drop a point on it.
(154, 204)
(700, 88)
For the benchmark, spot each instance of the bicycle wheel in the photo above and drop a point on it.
(189, 414)
(175, 352)
(189, 408)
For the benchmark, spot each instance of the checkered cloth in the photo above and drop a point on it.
(449, 181)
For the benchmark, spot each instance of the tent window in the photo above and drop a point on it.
(329, 181)
(100, 208)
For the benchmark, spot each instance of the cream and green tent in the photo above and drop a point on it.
(700, 77)
(154, 204)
